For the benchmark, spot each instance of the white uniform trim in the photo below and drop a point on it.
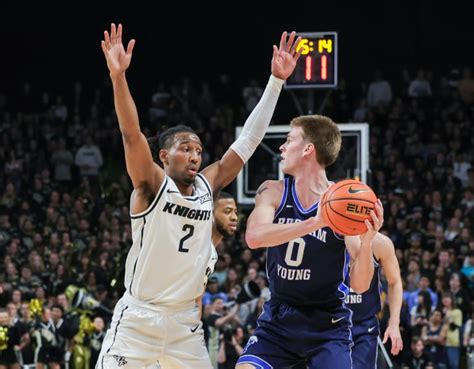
(167, 263)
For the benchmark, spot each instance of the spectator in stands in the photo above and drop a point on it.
(468, 270)
(8, 199)
(62, 160)
(221, 318)
(47, 351)
(159, 103)
(28, 324)
(212, 292)
(251, 94)
(453, 318)
(379, 92)
(434, 337)
(423, 286)
(10, 339)
(231, 346)
(444, 262)
(361, 112)
(59, 109)
(89, 160)
(421, 312)
(420, 86)
(466, 87)
(96, 339)
(417, 358)
(461, 297)
(461, 167)
(27, 282)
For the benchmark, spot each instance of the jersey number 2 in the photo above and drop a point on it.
(186, 228)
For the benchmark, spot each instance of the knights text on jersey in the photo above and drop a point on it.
(172, 246)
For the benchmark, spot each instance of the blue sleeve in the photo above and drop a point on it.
(206, 298)
(434, 300)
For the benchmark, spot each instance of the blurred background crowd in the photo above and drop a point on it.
(65, 227)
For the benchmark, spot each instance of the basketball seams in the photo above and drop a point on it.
(329, 219)
(329, 199)
(346, 184)
(333, 224)
(351, 198)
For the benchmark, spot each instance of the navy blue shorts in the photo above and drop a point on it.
(288, 335)
(364, 352)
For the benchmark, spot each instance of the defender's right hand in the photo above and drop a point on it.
(285, 57)
(118, 60)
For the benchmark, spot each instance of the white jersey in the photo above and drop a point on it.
(172, 252)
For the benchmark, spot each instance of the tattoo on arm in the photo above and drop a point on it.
(261, 189)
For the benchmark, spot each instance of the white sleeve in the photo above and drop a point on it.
(258, 121)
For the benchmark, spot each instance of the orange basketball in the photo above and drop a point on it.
(346, 205)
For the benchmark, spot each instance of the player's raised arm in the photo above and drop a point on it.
(221, 173)
(262, 232)
(145, 174)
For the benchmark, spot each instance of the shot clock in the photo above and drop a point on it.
(317, 65)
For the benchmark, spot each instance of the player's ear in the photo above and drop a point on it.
(309, 149)
(163, 155)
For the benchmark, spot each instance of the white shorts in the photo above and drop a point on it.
(148, 336)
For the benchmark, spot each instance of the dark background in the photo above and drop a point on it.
(56, 45)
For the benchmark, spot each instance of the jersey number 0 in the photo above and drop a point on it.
(300, 244)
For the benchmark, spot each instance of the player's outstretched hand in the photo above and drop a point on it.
(393, 332)
(285, 57)
(374, 226)
(118, 59)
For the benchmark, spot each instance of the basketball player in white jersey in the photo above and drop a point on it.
(226, 217)
(157, 319)
(224, 226)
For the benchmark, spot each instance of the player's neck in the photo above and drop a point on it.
(216, 237)
(310, 185)
(185, 189)
(310, 178)
(310, 188)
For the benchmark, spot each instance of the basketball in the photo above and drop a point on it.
(346, 205)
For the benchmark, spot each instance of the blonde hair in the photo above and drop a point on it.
(323, 133)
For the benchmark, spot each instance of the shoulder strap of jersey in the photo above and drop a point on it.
(153, 203)
(284, 195)
(206, 183)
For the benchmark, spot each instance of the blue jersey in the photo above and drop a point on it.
(366, 305)
(312, 269)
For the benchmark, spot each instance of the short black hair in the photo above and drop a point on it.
(56, 306)
(222, 195)
(164, 139)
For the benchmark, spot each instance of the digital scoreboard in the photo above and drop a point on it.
(317, 65)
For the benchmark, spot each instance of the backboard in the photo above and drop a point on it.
(353, 161)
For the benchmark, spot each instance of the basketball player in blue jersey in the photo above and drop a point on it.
(306, 321)
(157, 319)
(365, 307)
